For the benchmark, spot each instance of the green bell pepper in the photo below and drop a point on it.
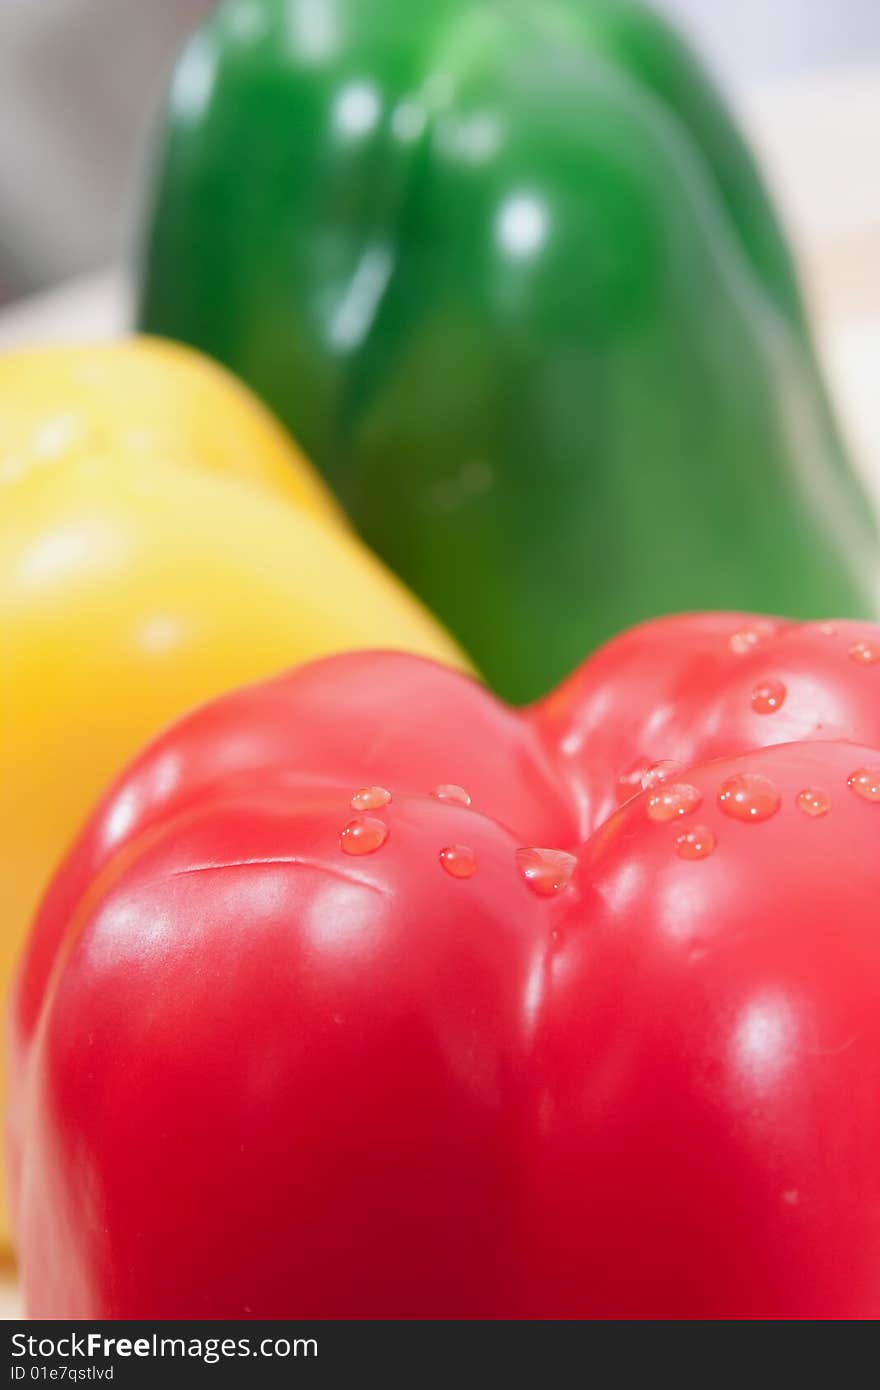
(509, 273)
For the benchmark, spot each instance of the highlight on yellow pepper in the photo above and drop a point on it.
(161, 540)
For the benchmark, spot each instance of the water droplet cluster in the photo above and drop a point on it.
(545, 871)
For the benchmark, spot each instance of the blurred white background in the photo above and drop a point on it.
(80, 80)
(750, 40)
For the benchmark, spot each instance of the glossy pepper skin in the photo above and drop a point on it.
(511, 277)
(257, 1076)
(161, 540)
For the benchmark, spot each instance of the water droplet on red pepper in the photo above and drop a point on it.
(747, 638)
(448, 791)
(672, 799)
(865, 653)
(642, 775)
(662, 771)
(749, 796)
(370, 798)
(813, 802)
(546, 871)
(696, 843)
(828, 629)
(768, 697)
(363, 835)
(865, 782)
(459, 861)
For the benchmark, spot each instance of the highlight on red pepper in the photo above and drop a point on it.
(363, 995)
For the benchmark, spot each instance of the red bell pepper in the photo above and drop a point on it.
(283, 1046)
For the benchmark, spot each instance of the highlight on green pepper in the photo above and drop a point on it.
(510, 275)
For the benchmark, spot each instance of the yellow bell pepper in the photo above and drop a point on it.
(161, 540)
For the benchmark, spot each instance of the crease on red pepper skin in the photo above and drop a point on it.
(546, 726)
(590, 917)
